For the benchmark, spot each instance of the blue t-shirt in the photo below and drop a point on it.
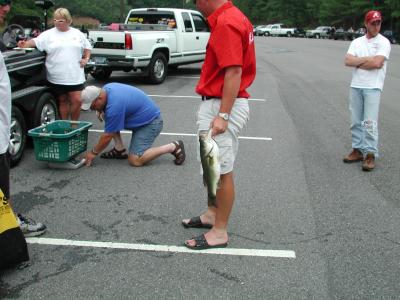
(127, 108)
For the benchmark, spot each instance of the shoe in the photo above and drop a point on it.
(29, 227)
(179, 152)
(369, 162)
(355, 156)
(195, 222)
(202, 244)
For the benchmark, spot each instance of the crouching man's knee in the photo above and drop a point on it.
(135, 161)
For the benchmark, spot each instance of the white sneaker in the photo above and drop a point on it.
(29, 227)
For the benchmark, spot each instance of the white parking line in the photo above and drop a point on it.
(189, 134)
(163, 248)
(198, 97)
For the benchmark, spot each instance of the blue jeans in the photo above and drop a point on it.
(364, 109)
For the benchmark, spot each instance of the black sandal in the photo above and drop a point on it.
(179, 152)
(114, 153)
(196, 222)
(202, 244)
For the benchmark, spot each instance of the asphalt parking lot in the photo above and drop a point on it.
(307, 226)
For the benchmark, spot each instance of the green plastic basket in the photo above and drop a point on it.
(59, 141)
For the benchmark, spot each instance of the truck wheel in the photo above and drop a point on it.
(288, 34)
(46, 110)
(317, 36)
(17, 136)
(101, 73)
(266, 34)
(158, 68)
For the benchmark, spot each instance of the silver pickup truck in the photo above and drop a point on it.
(150, 39)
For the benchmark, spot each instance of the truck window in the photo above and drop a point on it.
(187, 22)
(199, 23)
(152, 17)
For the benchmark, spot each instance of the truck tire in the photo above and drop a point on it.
(289, 34)
(317, 36)
(17, 136)
(158, 68)
(101, 73)
(45, 111)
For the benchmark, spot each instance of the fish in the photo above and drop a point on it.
(209, 156)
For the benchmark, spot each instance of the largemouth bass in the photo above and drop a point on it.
(209, 156)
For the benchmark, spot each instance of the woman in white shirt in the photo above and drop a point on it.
(67, 52)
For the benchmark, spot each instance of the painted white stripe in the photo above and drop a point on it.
(198, 97)
(189, 134)
(163, 248)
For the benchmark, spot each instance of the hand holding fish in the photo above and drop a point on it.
(218, 126)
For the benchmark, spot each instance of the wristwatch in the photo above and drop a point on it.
(224, 116)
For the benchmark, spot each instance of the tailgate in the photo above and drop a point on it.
(108, 43)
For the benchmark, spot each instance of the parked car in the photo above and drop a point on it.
(341, 34)
(299, 32)
(280, 30)
(262, 30)
(391, 36)
(359, 32)
(319, 32)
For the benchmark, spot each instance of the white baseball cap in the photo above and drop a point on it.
(89, 94)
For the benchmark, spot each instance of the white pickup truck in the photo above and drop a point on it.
(280, 30)
(150, 40)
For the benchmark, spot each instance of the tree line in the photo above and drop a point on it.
(298, 13)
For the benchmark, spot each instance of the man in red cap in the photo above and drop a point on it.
(368, 56)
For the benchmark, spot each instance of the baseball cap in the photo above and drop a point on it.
(373, 15)
(89, 93)
(5, 2)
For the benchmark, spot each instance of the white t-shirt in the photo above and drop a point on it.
(5, 107)
(64, 51)
(361, 47)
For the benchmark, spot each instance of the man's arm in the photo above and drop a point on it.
(365, 62)
(232, 80)
(374, 62)
(102, 144)
(27, 44)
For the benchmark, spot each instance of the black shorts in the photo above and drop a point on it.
(60, 89)
(5, 174)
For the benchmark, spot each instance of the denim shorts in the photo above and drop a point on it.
(144, 136)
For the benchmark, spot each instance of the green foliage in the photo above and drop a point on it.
(300, 13)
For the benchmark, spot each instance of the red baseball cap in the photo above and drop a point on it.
(373, 15)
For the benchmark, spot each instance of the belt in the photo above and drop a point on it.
(203, 98)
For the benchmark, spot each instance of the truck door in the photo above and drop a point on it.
(195, 37)
(202, 32)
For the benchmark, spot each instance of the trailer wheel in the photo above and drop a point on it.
(46, 110)
(100, 73)
(158, 68)
(17, 136)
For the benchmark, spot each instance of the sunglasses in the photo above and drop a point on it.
(5, 2)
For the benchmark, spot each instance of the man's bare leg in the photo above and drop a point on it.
(225, 199)
(150, 154)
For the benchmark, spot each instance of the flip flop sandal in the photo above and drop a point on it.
(179, 152)
(195, 222)
(202, 244)
(114, 153)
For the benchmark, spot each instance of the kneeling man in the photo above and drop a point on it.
(126, 107)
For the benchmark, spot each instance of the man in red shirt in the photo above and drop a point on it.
(228, 70)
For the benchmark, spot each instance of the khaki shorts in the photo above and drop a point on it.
(228, 142)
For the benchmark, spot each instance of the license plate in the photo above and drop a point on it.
(99, 60)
